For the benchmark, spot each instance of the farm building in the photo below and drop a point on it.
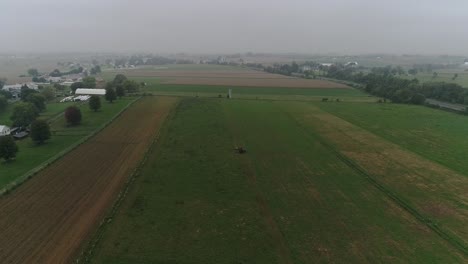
(90, 91)
(352, 64)
(15, 89)
(4, 130)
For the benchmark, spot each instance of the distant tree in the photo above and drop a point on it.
(39, 79)
(89, 82)
(26, 92)
(95, 70)
(73, 115)
(400, 70)
(24, 114)
(38, 100)
(130, 86)
(413, 71)
(2, 82)
(59, 87)
(40, 131)
(294, 67)
(119, 90)
(110, 95)
(7, 94)
(48, 93)
(8, 148)
(3, 103)
(33, 72)
(119, 78)
(455, 76)
(55, 73)
(434, 75)
(76, 85)
(418, 99)
(95, 103)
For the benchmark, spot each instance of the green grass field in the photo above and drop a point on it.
(296, 196)
(444, 76)
(436, 135)
(268, 93)
(31, 155)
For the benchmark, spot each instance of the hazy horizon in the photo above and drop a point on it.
(222, 26)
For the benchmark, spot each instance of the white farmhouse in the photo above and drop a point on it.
(4, 130)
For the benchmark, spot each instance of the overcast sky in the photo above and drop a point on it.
(218, 26)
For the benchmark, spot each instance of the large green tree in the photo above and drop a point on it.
(95, 103)
(73, 115)
(24, 114)
(110, 95)
(48, 93)
(8, 148)
(40, 131)
(89, 82)
(38, 100)
(26, 92)
(3, 103)
(76, 85)
(33, 72)
(119, 78)
(120, 90)
(131, 86)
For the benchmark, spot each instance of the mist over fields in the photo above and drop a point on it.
(223, 26)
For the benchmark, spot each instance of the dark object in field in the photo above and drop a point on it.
(324, 99)
(241, 150)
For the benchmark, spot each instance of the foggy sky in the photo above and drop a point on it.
(228, 26)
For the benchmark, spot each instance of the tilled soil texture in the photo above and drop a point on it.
(232, 78)
(47, 219)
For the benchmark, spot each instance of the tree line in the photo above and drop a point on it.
(386, 82)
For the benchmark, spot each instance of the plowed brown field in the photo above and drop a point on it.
(47, 219)
(231, 78)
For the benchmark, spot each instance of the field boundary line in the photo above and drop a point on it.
(405, 205)
(88, 250)
(31, 173)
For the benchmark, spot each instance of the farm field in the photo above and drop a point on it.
(267, 93)
(444, 76)
(436, 135)
(223, 76)
(50, 216)
(215, 81)
(30, 155)
(305, 192)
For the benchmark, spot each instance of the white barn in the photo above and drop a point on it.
(90, 91)
(4, 130)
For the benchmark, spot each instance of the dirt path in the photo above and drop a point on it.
(47, 218)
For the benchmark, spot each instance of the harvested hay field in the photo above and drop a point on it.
(228, 77)
(48, 218)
